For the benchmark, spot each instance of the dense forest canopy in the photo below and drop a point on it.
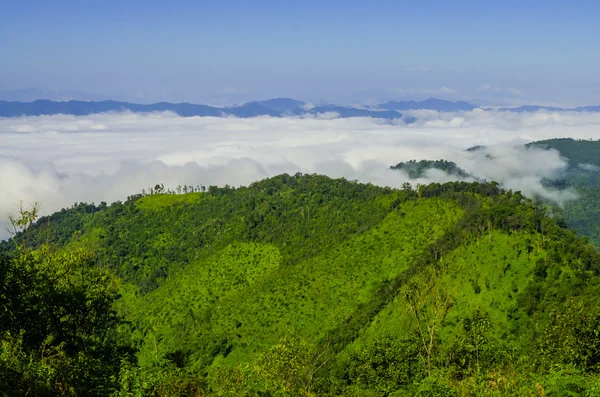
(301, 285)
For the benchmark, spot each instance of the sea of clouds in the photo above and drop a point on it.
(59, 160)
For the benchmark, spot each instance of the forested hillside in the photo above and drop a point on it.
(297, 286)
(582, 175)
(418, 169)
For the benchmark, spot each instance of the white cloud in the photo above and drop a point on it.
(419, 69)
(308, 106)
(59, 160)
(443, 90)
(498, 90)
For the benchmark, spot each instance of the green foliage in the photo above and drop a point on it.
(290, 366)
(159, 201)
(572, 336)
(241, 301)
(163, 382)
(435, 385)
(389, 364)
(475, 350)
(172, 320)
(144, 239)
(57, 324)
(57, 321)
(299, 286)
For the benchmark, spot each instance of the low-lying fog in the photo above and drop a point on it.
(59, 160)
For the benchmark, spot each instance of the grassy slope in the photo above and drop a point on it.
(485, 275)
(169, 315)
(492, 274)
(310, 298)
(160, 201)
(302, 216)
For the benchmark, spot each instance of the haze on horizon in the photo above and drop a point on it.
(224, 52)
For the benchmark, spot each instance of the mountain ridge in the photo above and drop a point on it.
(275, 107)
(439, 105)
(279, 107)
(220, 285)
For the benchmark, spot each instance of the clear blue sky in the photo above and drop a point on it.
(348, 50)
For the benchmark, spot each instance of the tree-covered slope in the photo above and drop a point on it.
(583, 175)
(306, 285)
(578, 151)
(144, 238)
(418, 169)
(250, 312)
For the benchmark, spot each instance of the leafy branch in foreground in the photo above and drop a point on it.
(22, 222)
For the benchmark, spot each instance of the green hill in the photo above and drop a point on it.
(418, 169)
(578, 151)
(582, 175)
(305, 285)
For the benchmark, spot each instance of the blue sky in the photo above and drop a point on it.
(345, 51)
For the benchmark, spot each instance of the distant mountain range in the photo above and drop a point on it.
(439, 105)
(535, 108)
(277, 107)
